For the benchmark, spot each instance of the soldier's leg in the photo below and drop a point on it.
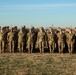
(2, 46)
(62, 46)
(22, 47)
(19, 46)
(42, 47)
(59, 47)
(71, 47)
(5, 46)
(31, 47)
(9, 46)
(12, 46)
(50, 48)
(28, 47)
(53, 47)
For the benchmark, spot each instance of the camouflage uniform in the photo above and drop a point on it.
(5, 40)
(30, 40)
(75, 38)
(1, 41)
(61, 44)
(10, 39)
(70, 41)
(51, 40)
(41, 40)
(20, 40)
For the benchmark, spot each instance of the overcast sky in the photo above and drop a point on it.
(60, 13)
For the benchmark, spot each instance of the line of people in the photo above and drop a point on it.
(19, 40)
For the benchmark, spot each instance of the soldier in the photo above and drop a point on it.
(15, 31)
(70, 40)
(5, 39)
(25, 35)
(75, 31)
(75, 38)
(30, 40)
(41, 39)
(51, 40)
(60, 37)
(20, 40)
(10, 39)
(1, 41)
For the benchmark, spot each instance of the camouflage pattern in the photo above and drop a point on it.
(20, 40)
(41, 39)
(23, 39)
(75, 38)
(1, 41)
(30, 40)
(70, 39)
(10, 39)
(51, 40)
(61, 44)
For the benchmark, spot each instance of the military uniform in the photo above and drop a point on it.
(1, 42)
(61, 44)
(75, 38)
(10, 39)
(30, 40)
(41, 40)
(51, 41)
(70, 41)
(20, 40)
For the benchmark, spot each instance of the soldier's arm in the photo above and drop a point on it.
(73, 39)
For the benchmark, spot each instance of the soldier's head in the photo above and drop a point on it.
(75, 29)
(31, 30)
(41, 29)
(15, 28)
(7, 28)
(11, 30)
(67, 29)
(50, 29)
(59, 29)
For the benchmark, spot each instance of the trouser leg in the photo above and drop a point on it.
(29, 47)
(13, 46)
(42, 47)
(2, 46)
(22, 47)
(19, 46)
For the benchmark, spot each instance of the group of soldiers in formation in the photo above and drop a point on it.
(21, 39)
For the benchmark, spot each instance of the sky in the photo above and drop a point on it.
(37, 13)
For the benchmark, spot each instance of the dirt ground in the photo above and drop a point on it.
(37, 64)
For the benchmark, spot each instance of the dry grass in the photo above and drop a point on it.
(37, 64)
